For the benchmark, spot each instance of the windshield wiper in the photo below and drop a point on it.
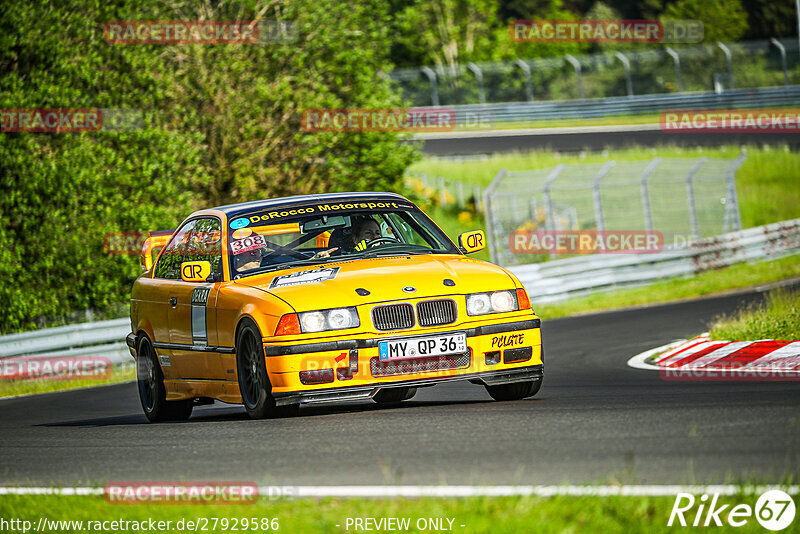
(285, 265)
(386, 253)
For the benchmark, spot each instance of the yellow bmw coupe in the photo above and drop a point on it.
(323, 298)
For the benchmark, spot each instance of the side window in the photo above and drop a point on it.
(205, 244)
(169, 264)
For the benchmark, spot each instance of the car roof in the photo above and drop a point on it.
(232, 210)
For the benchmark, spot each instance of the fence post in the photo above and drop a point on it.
(727, 52)
(431, 75)
(690, 199)
(476, 192)
(648, 214)
(676, 59)
(627, 64)
(782, 50)
(442, 192)
(460, 194)
(476, 70)
(732, 199)
(598, 202)
(548, 201)
(526, 71)
(491, 224)
(577, 66)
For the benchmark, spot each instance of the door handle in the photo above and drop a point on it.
(173, 301)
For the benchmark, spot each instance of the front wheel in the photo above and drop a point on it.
(516, 391)
(152, 393)
(254, 383)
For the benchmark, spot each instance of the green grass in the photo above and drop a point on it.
(478, 515)
(778, 317)
(707, 283)
(568, 123)
(9, 388)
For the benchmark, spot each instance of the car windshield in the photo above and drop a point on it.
(278, 238)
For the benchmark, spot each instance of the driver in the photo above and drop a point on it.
(365, 230)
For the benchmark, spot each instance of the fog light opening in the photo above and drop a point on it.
(319, 376)
(492, 357)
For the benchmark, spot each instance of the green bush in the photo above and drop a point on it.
(221, 124)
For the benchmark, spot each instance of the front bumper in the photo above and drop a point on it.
(497, 353)
(338, 394)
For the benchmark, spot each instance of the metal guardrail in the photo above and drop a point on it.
(102, 338)
(488, 115)
(560, 279)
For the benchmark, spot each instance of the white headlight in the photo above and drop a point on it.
(312, 321)
(478, 304)
(341, 318)
(503, 301)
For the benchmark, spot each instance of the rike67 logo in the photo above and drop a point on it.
(774, 510)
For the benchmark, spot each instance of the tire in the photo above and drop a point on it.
(516, 391)
(152, 393)
(394, 395)
(254, 383)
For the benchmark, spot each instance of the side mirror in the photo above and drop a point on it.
(195, 271)
(472, 241)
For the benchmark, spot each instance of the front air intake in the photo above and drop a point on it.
(393, 317)
(436, 312)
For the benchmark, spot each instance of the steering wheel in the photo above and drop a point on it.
(380, 240)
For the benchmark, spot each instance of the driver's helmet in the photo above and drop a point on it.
(253, 255)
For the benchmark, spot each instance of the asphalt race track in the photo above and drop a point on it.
(588, 138)
(594, 421)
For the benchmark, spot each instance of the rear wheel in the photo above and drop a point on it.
(152, 393)
(516, 391)
(254, 383)
(394, 395)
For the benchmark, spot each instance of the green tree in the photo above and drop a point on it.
(221, 123)
(723, 20)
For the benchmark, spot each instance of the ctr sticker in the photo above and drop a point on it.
(304, 277)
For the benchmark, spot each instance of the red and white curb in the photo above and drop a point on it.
(702, 354)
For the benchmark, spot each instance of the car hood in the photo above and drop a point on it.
(334, 285)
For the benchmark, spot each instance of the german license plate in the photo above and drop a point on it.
(422, 347)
